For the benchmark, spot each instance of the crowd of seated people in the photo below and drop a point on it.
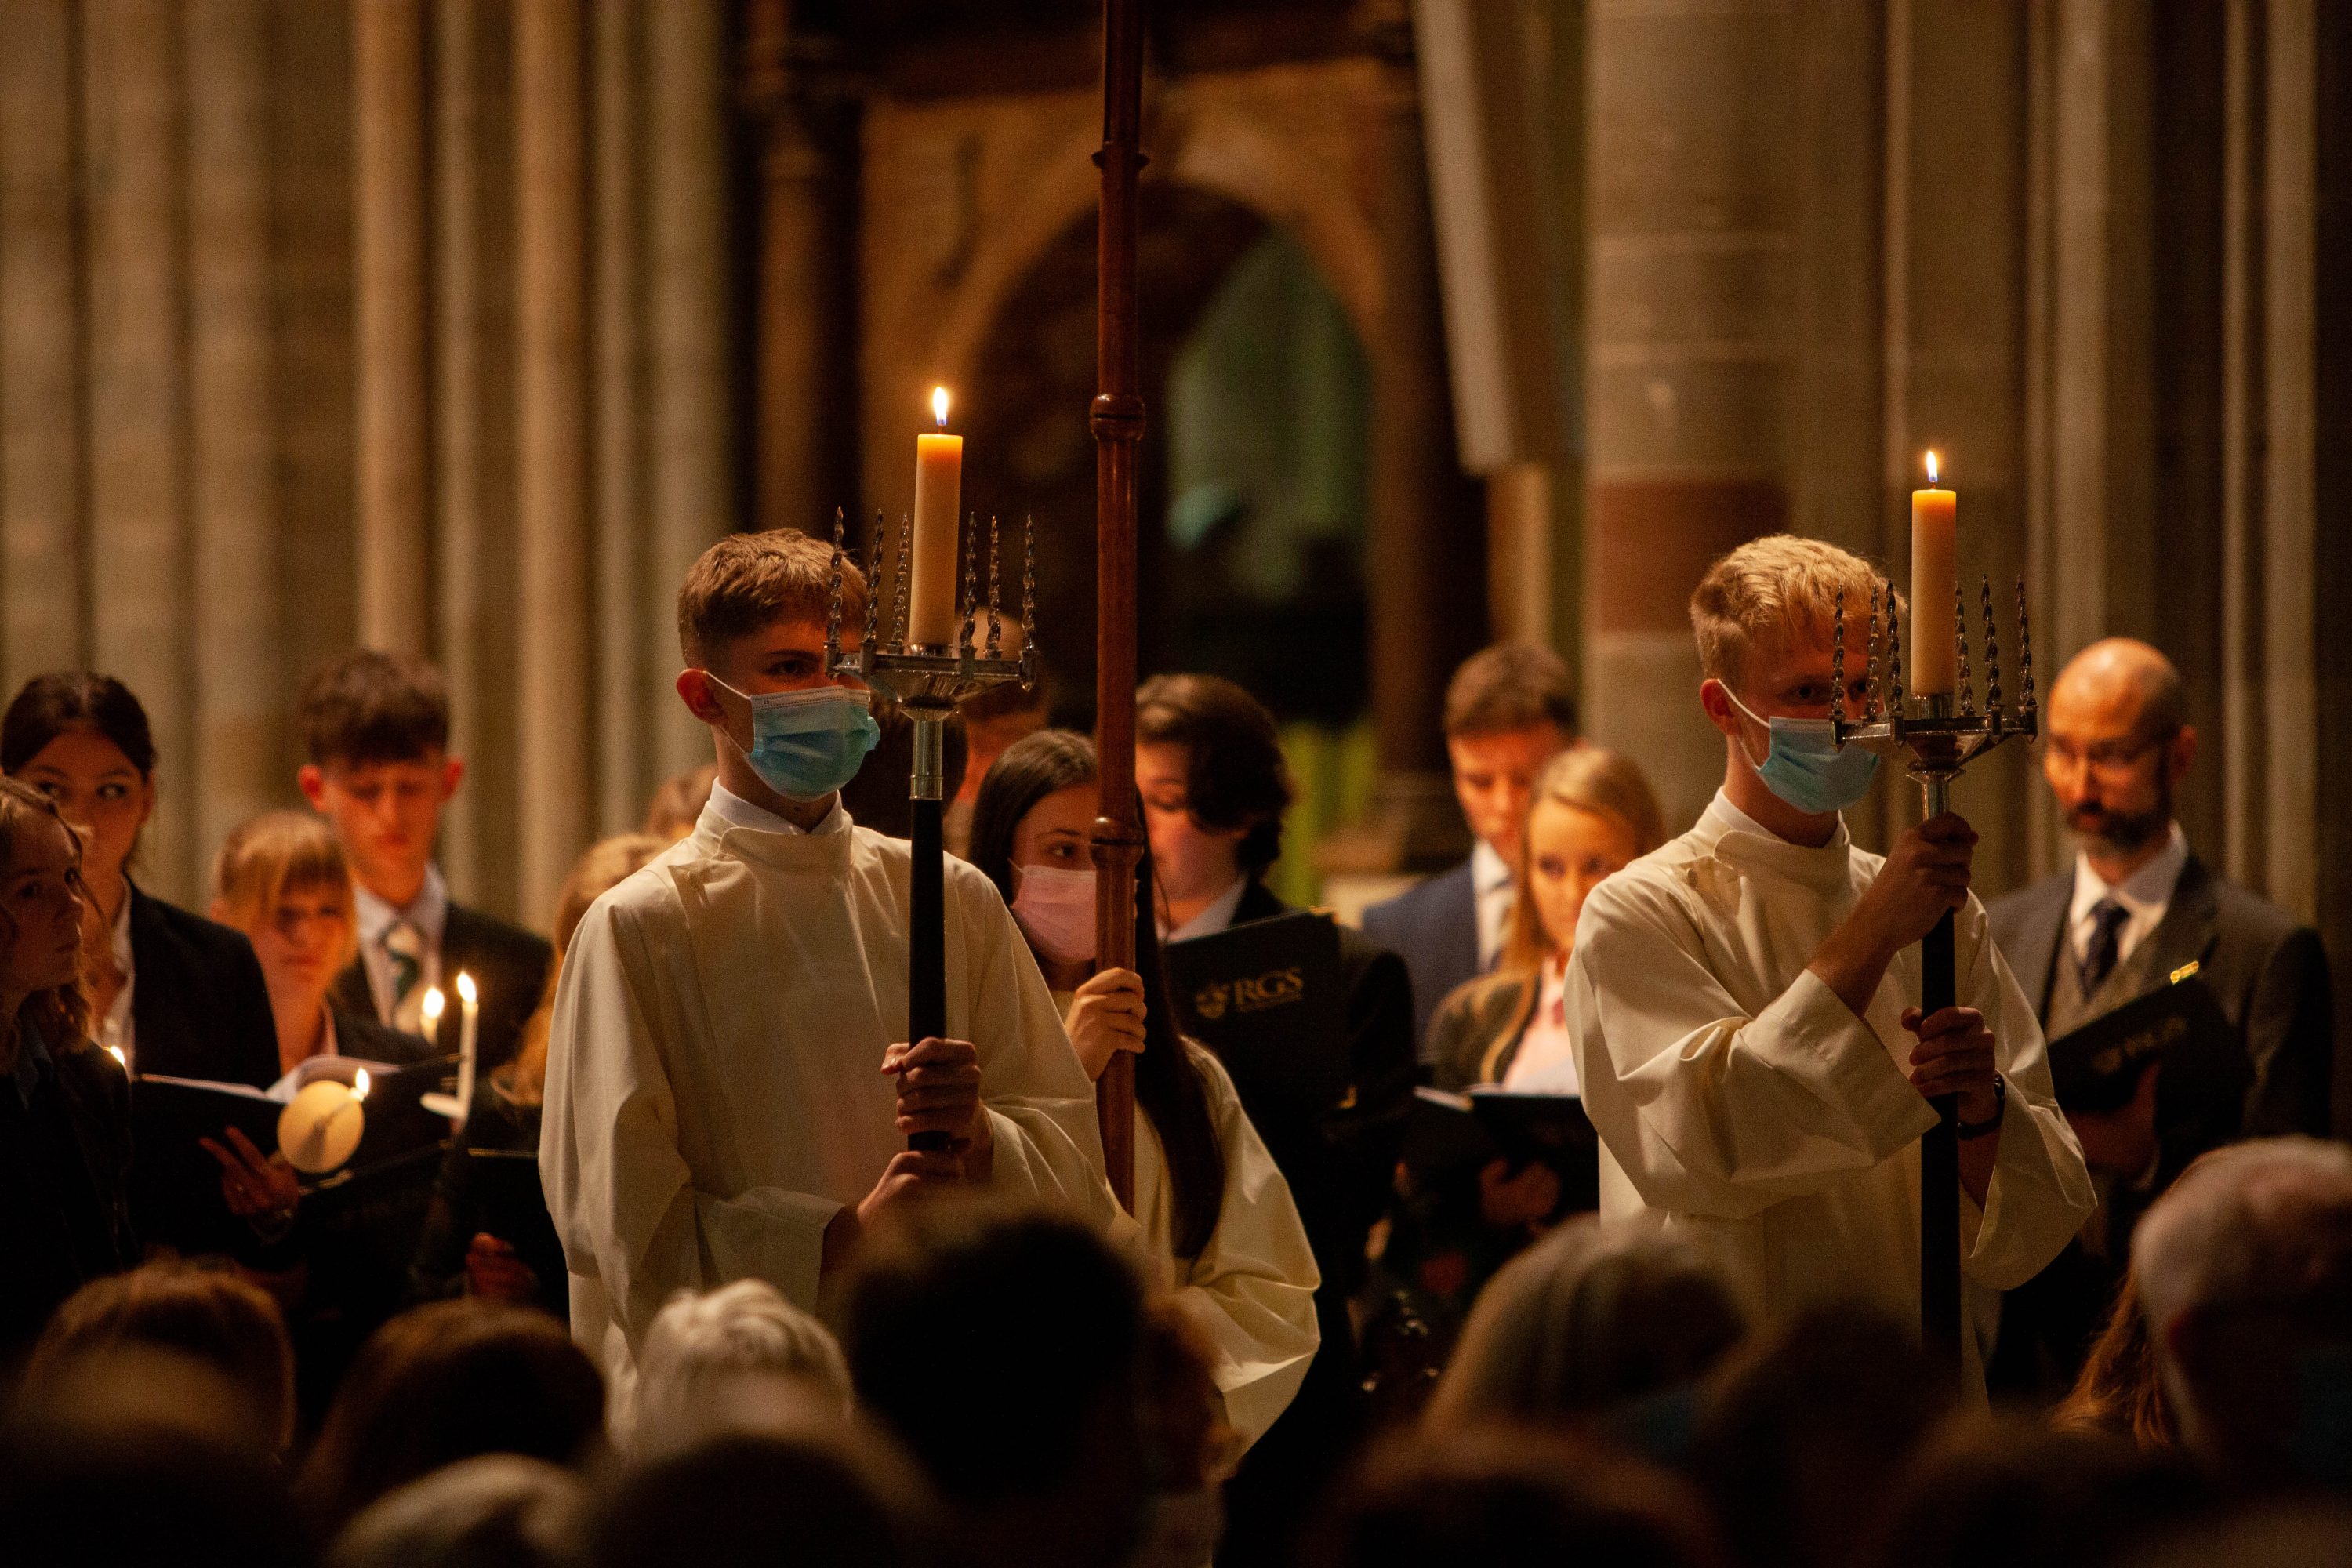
(1004, 1385)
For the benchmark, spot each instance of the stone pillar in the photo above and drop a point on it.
(462, 613)
(388, 156)
(1425, 565)
(138, 402)
(551, 253)
(1693, 180)
(232, 447)
(43, 598)
(687, 355)
(806, 436)
(624, 694)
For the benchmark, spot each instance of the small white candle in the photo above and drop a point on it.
(470, 1002)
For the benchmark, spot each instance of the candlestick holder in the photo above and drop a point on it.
(929, 682)
(1936, 737)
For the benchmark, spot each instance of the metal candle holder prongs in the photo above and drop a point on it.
(1933, 737)
(928, 681)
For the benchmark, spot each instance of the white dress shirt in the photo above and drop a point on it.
(428, 912)
(1215, 918)
(2145, 896)
(1496, 891)
(741, 813)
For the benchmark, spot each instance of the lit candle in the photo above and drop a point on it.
(1934, 582)
(470, 1001)
(938, 493)
(433, 1006)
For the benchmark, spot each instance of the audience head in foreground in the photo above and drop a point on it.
(815, 1494)
(1029, 1316)
(211, 1316)
(446, 1381)
(724, 1359)
(1593, 1316)
(2244, 1272)
(500, 1511)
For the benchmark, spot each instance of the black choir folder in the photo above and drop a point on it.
(2097, 1067)
(1260, 995)
(176, 1185)
(1451, 1135)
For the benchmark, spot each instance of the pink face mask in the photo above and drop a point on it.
(1056, 911)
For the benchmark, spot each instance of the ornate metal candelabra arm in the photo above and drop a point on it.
(1837, 661)
(996, 619)
(1960, 647)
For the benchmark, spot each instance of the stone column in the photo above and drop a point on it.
(458, 486)
(1693, 179)
(232, 447)
(44, 601)
(806, 436)
(137, 399)
(687, 354)
(388, 157)
(625, 695)
(551, 253)
(1425, 553)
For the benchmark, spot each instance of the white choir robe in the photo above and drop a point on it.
(1741, 1105)
(714, 1084)
(1251, 1289)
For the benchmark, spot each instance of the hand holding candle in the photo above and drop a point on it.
(1934, 582)
(939, 494)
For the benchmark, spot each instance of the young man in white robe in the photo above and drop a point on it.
(730, 1091)
(1744, 1001)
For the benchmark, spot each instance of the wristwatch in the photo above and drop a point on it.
(1990, 1124)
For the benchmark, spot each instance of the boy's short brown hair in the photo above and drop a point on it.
(749, 582)
(369, 706)
(1510, 686)
(1774, 588)
(1234, 773)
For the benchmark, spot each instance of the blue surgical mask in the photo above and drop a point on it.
(807, 744)
(1806, 767)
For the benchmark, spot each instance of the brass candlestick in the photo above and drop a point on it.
(1936, 738)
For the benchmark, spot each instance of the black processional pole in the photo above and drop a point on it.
(1936, 743)
(928, 681)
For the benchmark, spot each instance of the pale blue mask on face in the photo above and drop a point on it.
(1806, 767)
(807, 744)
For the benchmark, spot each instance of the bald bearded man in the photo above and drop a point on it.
(2138, 905)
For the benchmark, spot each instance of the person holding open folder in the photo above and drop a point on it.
(1221, 1229)
(1590, 814)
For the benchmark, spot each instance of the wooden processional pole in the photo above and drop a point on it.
(1116, 418)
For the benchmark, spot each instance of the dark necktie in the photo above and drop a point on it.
(2106, 945)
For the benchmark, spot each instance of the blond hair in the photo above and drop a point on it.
(604, 866)
(267, 857)
(1607, 784)
(1777, 588)
(749, 582)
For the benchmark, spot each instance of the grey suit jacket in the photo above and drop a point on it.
(2269, 974)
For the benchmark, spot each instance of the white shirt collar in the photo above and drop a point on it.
(1488, 870)
(2145, 894)
(737, 812)
(1216, 917)
(1731, 819)
(429, 912)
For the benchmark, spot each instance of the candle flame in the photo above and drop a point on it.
(940, 405)
(121, 1060)
(360, 1084)
(434, 1004)
(466, 992)
(1931, 468)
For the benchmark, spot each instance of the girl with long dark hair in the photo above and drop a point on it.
(1218, 1216)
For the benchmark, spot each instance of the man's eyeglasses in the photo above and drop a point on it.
(2106, 759)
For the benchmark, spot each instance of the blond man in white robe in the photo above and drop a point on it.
(730, 1091)
(1744, 1001)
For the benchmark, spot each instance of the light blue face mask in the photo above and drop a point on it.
(807, 744)
(1805, 766)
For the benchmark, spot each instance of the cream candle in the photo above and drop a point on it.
(1933, 670)
(470, 1001)
(939, 494)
